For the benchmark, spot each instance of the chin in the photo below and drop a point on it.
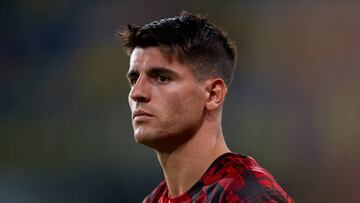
(152, 140)
(165, 142)
(139, 138)
(143, 137)
(151, 143)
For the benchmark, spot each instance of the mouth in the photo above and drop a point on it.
(139, 115)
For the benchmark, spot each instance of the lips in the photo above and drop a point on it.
(141, 113)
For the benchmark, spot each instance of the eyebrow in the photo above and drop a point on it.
(161, 70)
(153, 71)
(132, 73)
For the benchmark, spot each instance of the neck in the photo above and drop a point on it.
(184, 166)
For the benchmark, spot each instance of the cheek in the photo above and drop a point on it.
(188, 105)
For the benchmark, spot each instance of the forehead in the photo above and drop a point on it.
(157, 57)
(148, 56)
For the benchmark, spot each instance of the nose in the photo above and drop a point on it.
(140, 91)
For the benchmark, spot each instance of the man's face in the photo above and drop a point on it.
(166, 101)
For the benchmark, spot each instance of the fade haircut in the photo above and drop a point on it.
(192, 39)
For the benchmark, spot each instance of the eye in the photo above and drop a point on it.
(132, 80)
(162, 79)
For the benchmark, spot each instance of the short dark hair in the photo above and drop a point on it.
(193, 38)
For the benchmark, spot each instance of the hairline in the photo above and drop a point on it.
(174, 53)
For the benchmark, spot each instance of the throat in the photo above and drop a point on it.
(182, 169)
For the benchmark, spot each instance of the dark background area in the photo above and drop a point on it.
(65, 130)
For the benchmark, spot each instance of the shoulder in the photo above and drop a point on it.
(156, 193)
(242, 178)
(253, 191)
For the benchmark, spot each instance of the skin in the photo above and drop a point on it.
(176, 115)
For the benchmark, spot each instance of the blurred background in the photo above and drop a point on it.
(65, 130)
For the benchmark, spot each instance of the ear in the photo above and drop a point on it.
(216, 92)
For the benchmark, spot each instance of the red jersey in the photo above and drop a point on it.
(230, 178)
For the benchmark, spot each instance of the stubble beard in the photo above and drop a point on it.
(165, 138)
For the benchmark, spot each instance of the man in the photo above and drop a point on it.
(180, 72)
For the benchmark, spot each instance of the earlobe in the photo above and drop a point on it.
(216, 89)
